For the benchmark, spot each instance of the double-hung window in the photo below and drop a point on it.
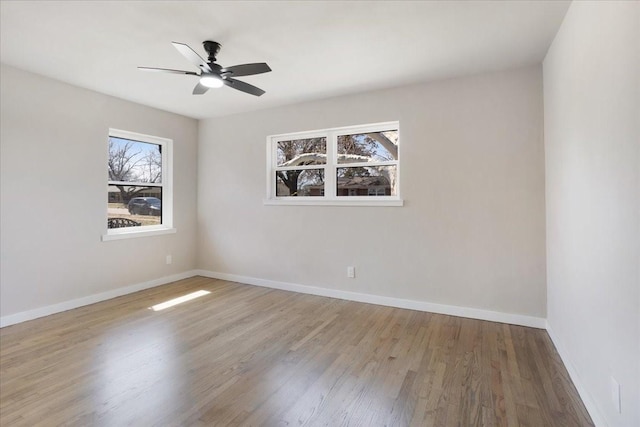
(139, 197)
(355, 165)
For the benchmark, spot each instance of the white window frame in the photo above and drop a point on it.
(167, 190)
(330, 198)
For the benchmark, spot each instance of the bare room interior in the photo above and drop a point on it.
(320, 213)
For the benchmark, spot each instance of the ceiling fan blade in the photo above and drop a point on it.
(166, 70)
(247, 69)
(200, 89)
(192, 56)
(242, 86)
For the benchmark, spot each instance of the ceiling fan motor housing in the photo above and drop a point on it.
(212, 48)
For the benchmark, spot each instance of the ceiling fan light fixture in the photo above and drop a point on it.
(211, 81)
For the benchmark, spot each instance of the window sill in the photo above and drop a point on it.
(351, 202)
(137, 233)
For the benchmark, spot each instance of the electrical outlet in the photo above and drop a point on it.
(168, 259)
(351, 272)
(615, 395)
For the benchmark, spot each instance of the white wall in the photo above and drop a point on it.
(592, 139)
(53, 194)
(471, 232)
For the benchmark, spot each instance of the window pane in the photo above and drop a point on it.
(366, 181)
(134, 161)
(368, 147)
(297, 152)
(133, 206)
(307, 182)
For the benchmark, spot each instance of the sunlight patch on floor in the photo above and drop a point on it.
(179, 300)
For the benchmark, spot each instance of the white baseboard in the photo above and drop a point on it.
(452, 310)
(23, 316)
(593, 410)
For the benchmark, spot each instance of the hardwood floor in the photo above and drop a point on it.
(248, 356)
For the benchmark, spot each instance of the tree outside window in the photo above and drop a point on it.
(355, 162)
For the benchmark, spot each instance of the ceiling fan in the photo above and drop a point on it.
(213, 75)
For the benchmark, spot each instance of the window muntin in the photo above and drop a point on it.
(335, 165)
(139, 196)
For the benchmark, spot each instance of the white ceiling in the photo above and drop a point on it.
(317, 49)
